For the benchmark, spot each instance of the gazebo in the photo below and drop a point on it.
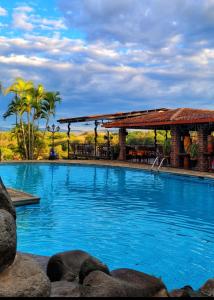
(180, 122)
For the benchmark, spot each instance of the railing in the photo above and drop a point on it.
(90, 151)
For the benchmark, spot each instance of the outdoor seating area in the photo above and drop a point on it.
(189, 143)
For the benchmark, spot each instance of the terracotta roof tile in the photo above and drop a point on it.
(168, 117)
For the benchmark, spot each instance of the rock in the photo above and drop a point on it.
(150, 285)
(66, 265)
(5, 200)
(179, 293)
(99, 284)
(24, 279)
(89, 265)
(125, 283)
(41, 260)
(208, 288)
(65, 289)
(7, 239)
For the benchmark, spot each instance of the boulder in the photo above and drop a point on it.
(5, 200)
(7, 239)
(65, 289)
(146, 284)
(179, 293)
(24, 278)
(208, 288)
(41, 260)
(89, 265)
(66, 265)
(128, 283)
(99, 284)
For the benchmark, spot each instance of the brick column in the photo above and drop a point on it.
(175, 146)
(202, 141)
(122, 143)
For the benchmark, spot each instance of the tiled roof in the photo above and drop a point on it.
(115, 116)
(166, 117)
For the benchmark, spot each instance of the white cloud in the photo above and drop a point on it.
(25, 19)
(3, 11)
(21, 18)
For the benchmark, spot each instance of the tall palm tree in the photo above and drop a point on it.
(17, 107)
(23, 89)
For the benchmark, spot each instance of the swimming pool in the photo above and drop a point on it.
(160, 224)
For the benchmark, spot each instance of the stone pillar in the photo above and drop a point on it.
(175, 146)
(122, 143)
(203, 143)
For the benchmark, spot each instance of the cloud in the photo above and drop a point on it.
(3, 11)
(25, 19)
(149, 22)
(137, 54)
(21, 18)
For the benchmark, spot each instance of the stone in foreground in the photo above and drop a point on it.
(128, 284)
(89, 265)
(146, 285)
(66, 265)
(208, 288)
(5, 200)
(7, 239)
(24, 278)
(65, 289)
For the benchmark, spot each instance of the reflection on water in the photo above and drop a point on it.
(157, 223)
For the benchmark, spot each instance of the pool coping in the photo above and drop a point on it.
(131, 165)
(20, 198)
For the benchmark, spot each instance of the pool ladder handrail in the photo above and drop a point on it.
(156, 159)
(160, 165)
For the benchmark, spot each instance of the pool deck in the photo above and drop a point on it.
(123, 164)
(20, 198)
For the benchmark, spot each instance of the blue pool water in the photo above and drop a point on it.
(159, 224)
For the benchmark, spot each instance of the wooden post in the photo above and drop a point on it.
(122, 143)
(68, 135)
(95, 137)
(155, 140)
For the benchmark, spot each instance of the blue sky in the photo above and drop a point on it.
(111, 55)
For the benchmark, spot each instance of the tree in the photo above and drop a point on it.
(29, 105)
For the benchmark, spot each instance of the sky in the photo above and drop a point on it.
(107, 56)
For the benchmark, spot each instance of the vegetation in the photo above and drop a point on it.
(194, 151)
(30, 105)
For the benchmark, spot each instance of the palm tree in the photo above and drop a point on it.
(48, 108)
(23, 89)
(17, 108)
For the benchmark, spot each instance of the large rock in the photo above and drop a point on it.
(99, 284)
(24, 278)
(66, 265)
(7, 239)
(208, 288)
(41, 260)
(89, 265)
(5, 200)
(125, 283)
(179, 293)
(65, 289)
(147, 284)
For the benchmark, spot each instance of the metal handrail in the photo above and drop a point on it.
(161, 163)
(156, 159)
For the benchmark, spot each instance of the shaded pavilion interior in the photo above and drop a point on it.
(182, 123)
(95, 150)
